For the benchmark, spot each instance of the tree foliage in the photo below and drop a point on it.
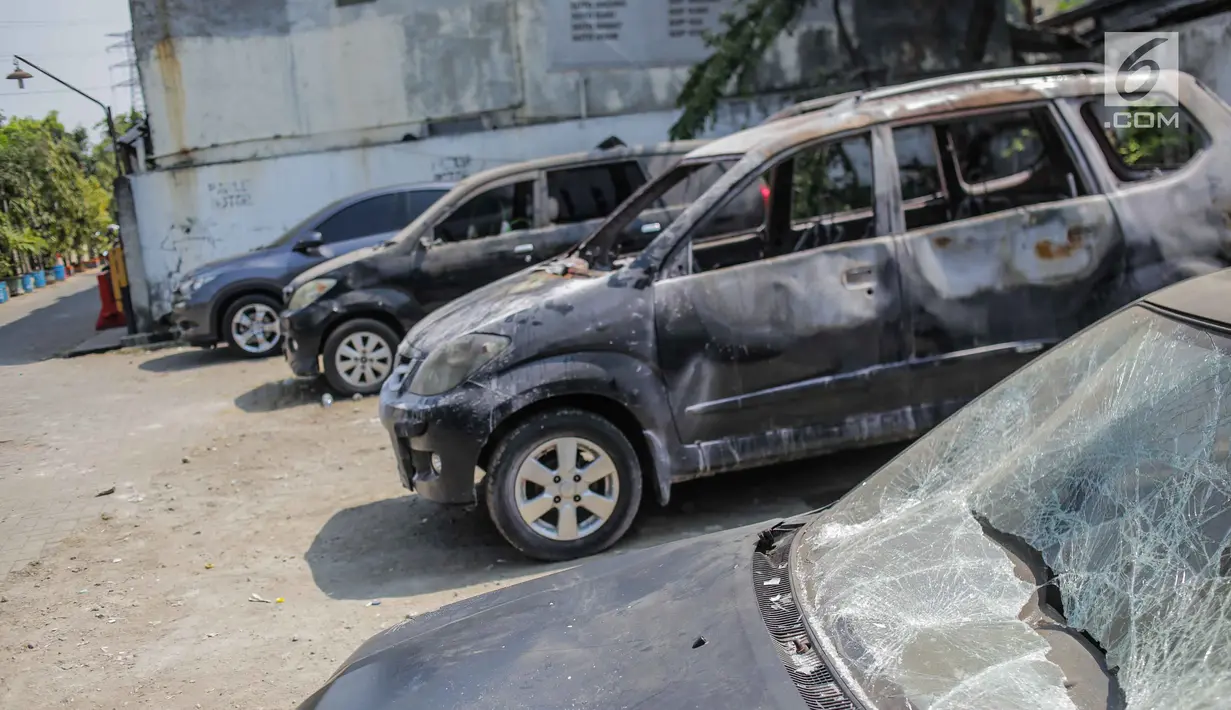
(55, 190)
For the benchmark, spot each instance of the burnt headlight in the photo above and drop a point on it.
(450, 364)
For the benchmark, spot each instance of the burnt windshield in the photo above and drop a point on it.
(1108, 459)
(651, 209)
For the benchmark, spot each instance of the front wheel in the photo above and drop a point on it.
(564, 484)
(251, 326)
(359, 356)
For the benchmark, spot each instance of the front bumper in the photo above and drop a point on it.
(454, 426)
(301, 342)
(194, 321)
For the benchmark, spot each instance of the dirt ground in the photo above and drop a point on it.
(232, 482)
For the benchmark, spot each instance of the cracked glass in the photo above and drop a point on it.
(1061, 542)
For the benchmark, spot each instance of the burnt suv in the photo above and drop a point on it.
(346, 316)
(920, 243)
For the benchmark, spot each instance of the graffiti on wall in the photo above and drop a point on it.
(229, 194)
(451, 168)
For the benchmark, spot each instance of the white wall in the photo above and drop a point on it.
(189, 216)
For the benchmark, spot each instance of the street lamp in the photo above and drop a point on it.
(20, 75)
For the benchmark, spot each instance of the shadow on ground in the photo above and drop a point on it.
(51, 330)
(190, 359)
(406, 546)
(282, 394)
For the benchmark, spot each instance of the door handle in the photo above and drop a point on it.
(523, 248)
(858, 277)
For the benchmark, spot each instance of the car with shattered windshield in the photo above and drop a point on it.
(344, 317)
(1062, 542)
(919, 244)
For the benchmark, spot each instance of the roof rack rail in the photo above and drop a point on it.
(949, 80)
(812, 105)
(1026, 72)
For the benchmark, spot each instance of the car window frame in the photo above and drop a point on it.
(767, 166)
(538, 187)
(351, 205)
(1089, 183)
(1116, 167)
(606, 161)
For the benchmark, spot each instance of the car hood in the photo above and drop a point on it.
(488, 308)
(338, 263)
(260, 258)
(618, 632)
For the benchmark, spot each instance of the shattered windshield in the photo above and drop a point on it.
(1061, 542)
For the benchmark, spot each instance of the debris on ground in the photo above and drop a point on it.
(257, 598)
(326, 399)
(374, 602)
(105, 492)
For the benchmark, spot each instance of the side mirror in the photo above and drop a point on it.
(310, 243)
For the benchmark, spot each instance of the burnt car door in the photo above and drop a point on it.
(1165, 165)
(790, 354)
(491, 234)
(1007, 248)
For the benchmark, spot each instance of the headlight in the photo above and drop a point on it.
(194, 284)
(310, 292)
(452, 363)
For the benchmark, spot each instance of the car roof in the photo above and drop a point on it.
(1205, 298)
(558, 161)
(970, 91)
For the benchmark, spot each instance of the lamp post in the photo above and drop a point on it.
(20, 75)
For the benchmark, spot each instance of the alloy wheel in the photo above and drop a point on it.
(363, 359)
(567, 488)
(255, 328)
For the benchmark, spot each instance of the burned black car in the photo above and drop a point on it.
(1063, 542)
(919, 244)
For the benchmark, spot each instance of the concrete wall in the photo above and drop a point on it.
(185, 217)
(238, 79)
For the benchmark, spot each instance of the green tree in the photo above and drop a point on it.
(55, 191)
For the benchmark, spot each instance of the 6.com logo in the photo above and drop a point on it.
(1144, 63)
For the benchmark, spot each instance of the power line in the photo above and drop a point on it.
(23, 92)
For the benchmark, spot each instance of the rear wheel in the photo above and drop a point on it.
(250, 326)
(359, 356)
(564, 484)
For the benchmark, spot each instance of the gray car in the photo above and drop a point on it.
(236, 300)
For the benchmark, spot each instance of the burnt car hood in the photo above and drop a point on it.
(618, 632)
(500, 302)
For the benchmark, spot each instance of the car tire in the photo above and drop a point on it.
(370, 339)
(513, 500)
(257, 309)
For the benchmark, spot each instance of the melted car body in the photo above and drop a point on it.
(916, 248)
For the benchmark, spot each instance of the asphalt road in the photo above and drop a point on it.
(49, 321)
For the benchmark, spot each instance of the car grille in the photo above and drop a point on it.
(782, 617)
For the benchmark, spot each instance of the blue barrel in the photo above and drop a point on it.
(59, 272)
(40, 278)
(4, 292)
(27, 282)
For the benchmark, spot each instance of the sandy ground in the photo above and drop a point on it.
(232, 482)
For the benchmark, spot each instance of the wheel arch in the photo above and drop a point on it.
(650, 455)
(382, 317)
(229, 299)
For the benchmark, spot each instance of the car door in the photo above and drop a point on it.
(1165, 170)
(490, 234)
(370, 221)
(784, 356)
(1006, 247)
